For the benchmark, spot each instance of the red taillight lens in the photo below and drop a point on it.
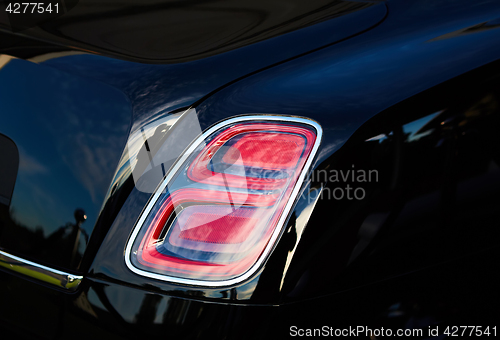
(212, 224)
(259, 150)
(217, 215)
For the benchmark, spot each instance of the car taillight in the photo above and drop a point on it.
(218, 213)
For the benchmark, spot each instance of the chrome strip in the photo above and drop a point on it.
(281, 222)
(37, 271)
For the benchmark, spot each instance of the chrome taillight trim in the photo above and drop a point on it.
(277, 232)
(39, 272)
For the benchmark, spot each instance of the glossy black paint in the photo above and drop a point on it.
(69, 132)
(180, 31)
(150, 90)
(8, 172)
(165, 88)
(27, 302)
(421, 248)
(365, 260)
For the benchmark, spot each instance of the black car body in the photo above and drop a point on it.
(405, 92)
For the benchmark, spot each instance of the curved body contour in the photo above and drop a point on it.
(413, 96)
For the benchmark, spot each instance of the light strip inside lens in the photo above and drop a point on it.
(217, 216)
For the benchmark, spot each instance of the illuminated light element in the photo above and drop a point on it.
(265, 155)
(225, 227)
(260, 150)
(217, 217)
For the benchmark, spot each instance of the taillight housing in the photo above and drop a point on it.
(220, 210)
